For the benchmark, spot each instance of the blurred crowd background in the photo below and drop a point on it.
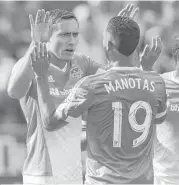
(155, 18)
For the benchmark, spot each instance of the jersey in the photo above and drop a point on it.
(166, 160)
(123, 106)
(58, 152)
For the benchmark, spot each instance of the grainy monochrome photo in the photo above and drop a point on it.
(89, 92)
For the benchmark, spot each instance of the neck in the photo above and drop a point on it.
(57, 61)
(122, 61)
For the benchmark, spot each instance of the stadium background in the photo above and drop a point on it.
(155, 18)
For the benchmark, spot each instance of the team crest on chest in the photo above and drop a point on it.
(76, 72)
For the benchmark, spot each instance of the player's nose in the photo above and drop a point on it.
(72, 40)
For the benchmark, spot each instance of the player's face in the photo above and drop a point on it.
(64, 39)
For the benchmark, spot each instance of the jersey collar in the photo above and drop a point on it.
(64, 69)
(124, 68)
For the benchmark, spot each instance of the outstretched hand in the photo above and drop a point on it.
(151, 54)
(41, 29)
(40, 59)
(128, 11)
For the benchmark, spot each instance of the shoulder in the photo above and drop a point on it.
(79, 57)
(94, 81)
(81, 61)
(167, 76)
(90, 81)
(157, 80)
(154, 76)
(88, 66)
(169, 79)
(85, 60)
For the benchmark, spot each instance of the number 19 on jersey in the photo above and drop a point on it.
(142, 128)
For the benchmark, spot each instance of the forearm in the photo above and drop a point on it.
(21, 77)
(77, 102)
(46, 106)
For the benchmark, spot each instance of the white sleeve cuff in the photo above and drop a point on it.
(161, 114)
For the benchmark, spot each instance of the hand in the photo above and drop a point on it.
(40, 59)
(150, 55)
(41, 30)
(127, 11)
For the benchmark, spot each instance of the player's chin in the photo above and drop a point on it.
(68, 55)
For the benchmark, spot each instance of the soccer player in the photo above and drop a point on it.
(124, 105)
(60, 30)
(166, 160)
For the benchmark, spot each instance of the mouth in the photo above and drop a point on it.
(70, 50)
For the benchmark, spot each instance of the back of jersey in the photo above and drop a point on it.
(121, 125)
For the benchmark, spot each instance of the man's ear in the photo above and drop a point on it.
(110, 46)
(110, 49)
(115, 43)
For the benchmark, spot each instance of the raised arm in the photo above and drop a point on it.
(151, 54)
(22, 74)
(129, 11)
(40, 66)
(74, 105)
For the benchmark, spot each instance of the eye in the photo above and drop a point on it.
(75, 34)
(66, 34)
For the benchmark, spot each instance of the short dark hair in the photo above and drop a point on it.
(127, 33)
(175, 45)
(57, 15)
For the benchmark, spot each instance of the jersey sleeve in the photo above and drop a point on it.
(162, 100)
(79, 100)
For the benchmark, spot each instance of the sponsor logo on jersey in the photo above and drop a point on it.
(56, 92)
(76, 72)
(174, 107)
